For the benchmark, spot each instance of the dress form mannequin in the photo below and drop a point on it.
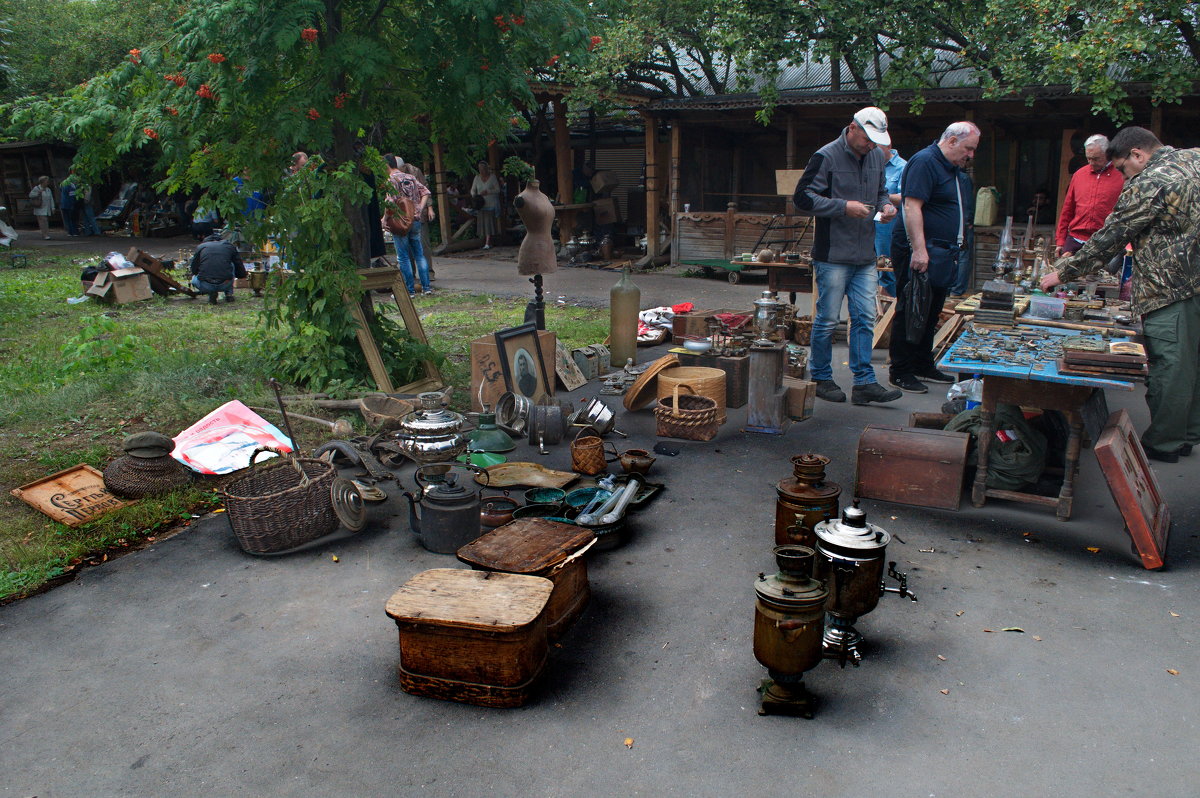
(536, 255)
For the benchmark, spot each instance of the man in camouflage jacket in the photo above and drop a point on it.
(1159, 212)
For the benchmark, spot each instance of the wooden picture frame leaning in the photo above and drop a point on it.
(520, 355)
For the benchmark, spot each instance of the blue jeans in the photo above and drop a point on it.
(856, 284)
(212, 289)
(409, 249)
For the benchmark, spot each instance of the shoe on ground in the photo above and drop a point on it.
(428, 292)
(487, 246)
(829, 391)
(1185, 450)
(1162, 457)
(909, 384)
(229, 297)
(936, 376)
(212, 299)
(872, 392)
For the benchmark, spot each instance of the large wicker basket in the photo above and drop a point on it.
(281, 504)
(687, 416)
(704, 381)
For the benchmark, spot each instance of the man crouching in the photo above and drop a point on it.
(215, 266)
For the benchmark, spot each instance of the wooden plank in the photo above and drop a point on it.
(72, 496)
(562, 160)
(443, 198)
(653, 191)
(366, 342)
(884, 323)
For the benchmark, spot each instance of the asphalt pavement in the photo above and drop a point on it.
(1040, 659)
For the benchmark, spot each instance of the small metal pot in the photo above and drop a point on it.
(596, 414)
(512, 413)
(497, 510)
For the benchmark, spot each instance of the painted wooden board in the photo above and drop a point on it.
(1135, 489)
(73, 496)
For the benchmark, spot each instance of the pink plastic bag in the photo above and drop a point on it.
(224, 440)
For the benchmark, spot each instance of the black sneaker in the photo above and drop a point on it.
(1162, 457)
(872, 392)
(212, 299)
(229, 297)
(829, 391)
(936, 376)
(909, 383)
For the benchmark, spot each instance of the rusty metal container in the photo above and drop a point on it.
(908, 465)
(789, 622)
(805, 500)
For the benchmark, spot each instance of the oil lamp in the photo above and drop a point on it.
(850, 561)
(789, 617)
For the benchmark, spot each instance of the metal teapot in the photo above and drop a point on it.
(451, 515)
(431, 434)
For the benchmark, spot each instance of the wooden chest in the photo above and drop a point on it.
(907, 465)
(537, 547)
(473, 636)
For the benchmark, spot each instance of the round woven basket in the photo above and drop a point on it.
(704, 381)
(139, 477)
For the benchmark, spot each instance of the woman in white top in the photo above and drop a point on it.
(42, 199)
(487, 186)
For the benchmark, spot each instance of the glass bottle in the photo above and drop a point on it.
(624, 304)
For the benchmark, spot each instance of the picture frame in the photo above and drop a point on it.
(566, 368)
(521, 361)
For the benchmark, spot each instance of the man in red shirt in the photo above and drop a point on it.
(1090, 198)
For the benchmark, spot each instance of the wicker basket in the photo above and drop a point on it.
(281, 504)
(704, 381)
(587, 453)
(691, 417)
(139, 477)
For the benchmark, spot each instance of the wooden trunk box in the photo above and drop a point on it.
(906, 465)
(487, 372)
(695, 324)
(473, 636)
(737, 374)
(537, 547)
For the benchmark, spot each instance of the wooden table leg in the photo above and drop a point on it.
(987, 423)
(1074, 442)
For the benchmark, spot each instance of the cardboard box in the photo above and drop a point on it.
(605, 209)
(801, 398)
(786, 180)
(487, 376)
(121, 286)
(605, 180)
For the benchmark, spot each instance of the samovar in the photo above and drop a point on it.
(789, 617)
(767, 311)
(432, 434)
(850, 562)
(805, 500)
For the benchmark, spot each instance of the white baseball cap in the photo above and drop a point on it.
(874, 122)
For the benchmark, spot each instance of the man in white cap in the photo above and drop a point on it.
(843, 186)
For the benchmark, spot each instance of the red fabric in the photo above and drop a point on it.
(732, 321)
(683, 307)
(1090, 199)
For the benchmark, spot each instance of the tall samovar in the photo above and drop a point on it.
(789, 617)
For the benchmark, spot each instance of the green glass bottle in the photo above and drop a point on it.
(624, 304)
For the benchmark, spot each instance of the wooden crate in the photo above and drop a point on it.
(73, 496)
(487, 375)
(478, 637)
(537, 547)
(906, 465)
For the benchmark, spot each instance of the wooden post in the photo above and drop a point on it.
(1156, 121)
(789, 161)
(562, 159)
(1064, 171)
(1013, 154)
(443, 197)
(730, 228)
(653, 245)
(676, 150)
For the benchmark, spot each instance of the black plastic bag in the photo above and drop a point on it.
(916, 297)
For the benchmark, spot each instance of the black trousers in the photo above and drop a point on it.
(911, 360)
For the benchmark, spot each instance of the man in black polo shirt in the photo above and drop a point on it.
(937, 195)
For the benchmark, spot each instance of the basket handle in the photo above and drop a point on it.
(584, 429)
(675, 397)
(291, 456)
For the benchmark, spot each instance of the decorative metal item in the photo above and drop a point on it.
(789, 618)
(348, 504)
(767, 309)
(805, 499)
(432, 434)
(851, 556)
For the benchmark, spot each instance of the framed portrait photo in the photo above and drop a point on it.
(521, 361)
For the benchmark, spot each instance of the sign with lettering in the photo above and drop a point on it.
(72, 497)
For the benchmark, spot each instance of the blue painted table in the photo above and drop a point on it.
(1033, 382)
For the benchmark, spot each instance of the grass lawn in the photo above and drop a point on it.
(76, 379)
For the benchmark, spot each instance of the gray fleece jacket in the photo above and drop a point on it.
(834, 175)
